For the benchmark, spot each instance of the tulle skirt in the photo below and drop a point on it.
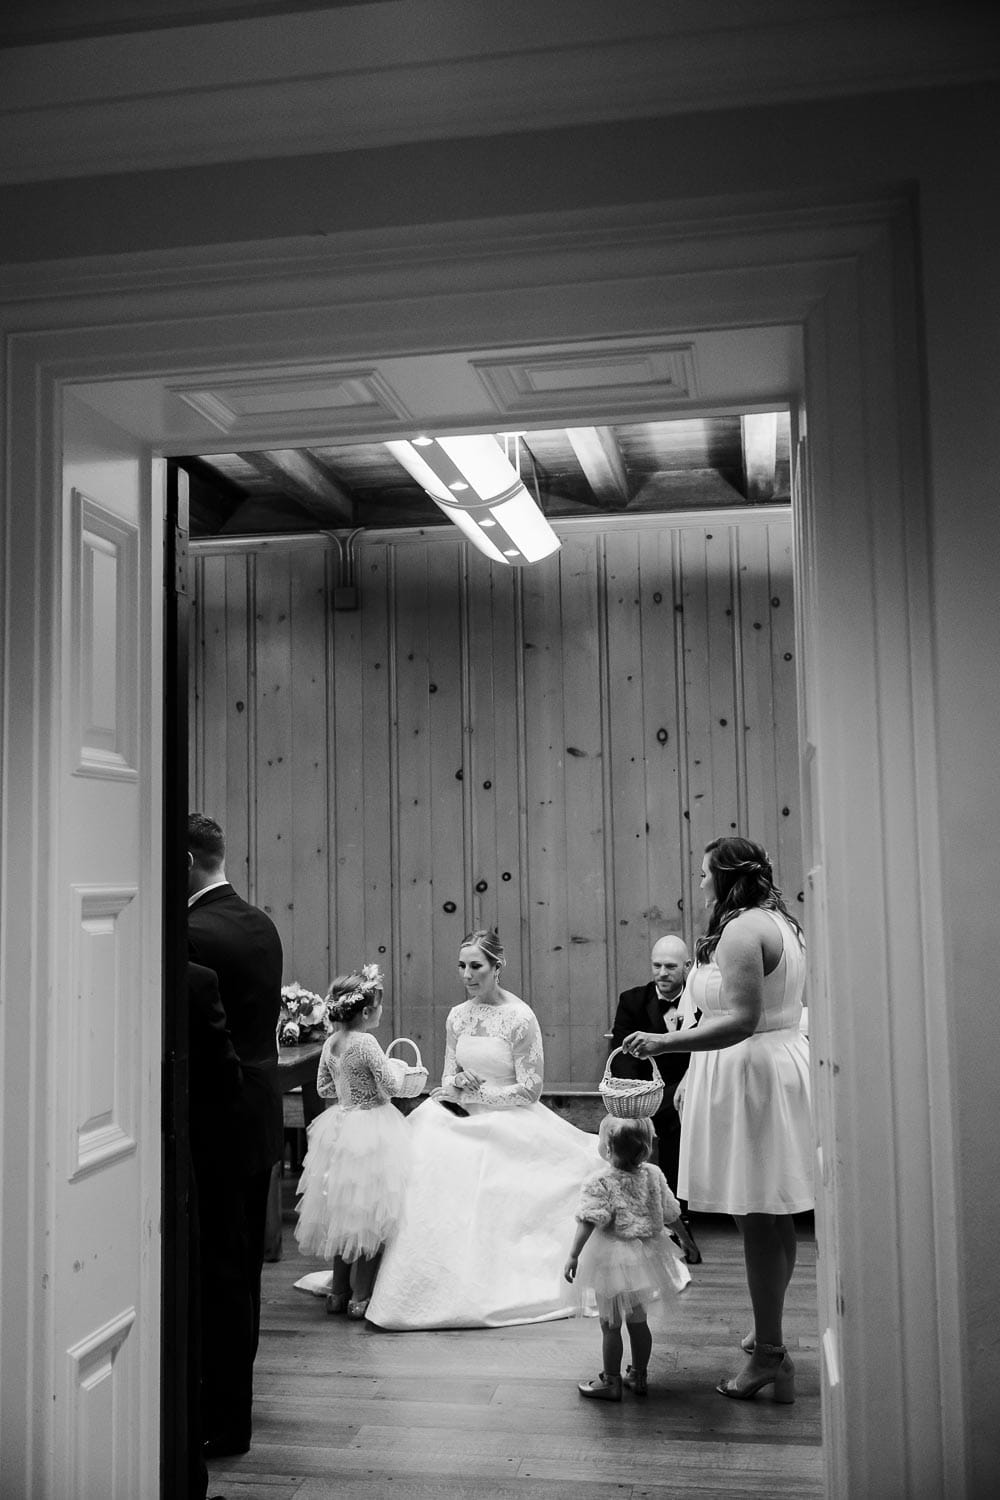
(620, 1276)
(351, 1188)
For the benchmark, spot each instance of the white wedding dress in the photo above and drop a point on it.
(489, 1205)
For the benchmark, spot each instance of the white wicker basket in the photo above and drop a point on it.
(631, 1098)
(415, 1074)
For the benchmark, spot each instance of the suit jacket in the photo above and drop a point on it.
(215, 1078)
(241, 944)
(639, 1010)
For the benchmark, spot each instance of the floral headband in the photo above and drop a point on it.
(371, 983)
(350, 1001)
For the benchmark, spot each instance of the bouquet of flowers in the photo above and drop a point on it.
(303, 1016)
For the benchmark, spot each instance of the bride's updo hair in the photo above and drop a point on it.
(743, 878)
(487, 938)
(350, 993)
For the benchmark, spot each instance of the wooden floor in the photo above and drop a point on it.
(344, 1410)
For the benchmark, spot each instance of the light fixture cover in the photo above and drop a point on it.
(473, 482)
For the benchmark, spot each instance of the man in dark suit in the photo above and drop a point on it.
(241, 944)
(219, 1283)
(656, 1006)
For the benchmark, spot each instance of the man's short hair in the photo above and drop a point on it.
(205, 840)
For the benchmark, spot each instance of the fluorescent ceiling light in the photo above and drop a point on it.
(526, 526)
(474, 532)
(477, 487)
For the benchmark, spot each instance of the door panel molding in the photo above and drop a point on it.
(98, 1380)
(104, 608)
(99, 1037)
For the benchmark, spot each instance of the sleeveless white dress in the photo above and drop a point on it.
(488, 1211)
(746, 1130)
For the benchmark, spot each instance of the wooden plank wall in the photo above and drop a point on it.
(549, 748)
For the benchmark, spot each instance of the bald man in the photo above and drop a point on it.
(658, 1006)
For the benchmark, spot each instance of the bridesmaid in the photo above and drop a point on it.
(746, 1131)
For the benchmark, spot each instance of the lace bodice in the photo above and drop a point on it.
(633, 1205)
(503, 1045)
(359, 1076)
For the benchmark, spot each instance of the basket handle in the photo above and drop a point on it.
(607, 1066)
(419, 1063)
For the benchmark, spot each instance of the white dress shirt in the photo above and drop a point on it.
(205, 890)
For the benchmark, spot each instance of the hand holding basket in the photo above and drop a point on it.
(631, 1098)
(414, 1074)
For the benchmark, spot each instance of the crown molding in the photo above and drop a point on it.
(432, 255)
(356, 77)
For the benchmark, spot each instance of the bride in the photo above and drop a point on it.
(494, 1175)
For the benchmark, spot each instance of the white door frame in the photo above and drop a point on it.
(844, 275)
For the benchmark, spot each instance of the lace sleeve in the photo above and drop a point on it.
(450, 1067)
(387, 1072)
(526, 1046)
(326, 1086)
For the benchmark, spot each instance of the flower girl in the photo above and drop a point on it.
(351, 1187)
(623, 1252)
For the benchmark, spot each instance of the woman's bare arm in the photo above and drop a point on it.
(740, 957)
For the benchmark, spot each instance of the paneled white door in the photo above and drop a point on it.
(104, 1041)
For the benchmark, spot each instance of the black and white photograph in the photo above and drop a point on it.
(499, 811)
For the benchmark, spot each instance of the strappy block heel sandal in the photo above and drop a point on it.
(778, 1371)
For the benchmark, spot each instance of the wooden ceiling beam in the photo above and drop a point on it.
(685, 489)
(212, 498)
(296, 473)
(602, 463)
(760, 455)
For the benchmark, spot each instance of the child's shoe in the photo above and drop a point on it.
(636, 1380)
(357, 1309)
(336, 1302)
(604, 1388)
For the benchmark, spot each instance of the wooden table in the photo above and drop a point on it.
(296, 1070)
(297, 1065)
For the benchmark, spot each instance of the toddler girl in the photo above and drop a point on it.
(351, 1188)
(623, 1251)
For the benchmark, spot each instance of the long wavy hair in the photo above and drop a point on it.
(743, 879)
